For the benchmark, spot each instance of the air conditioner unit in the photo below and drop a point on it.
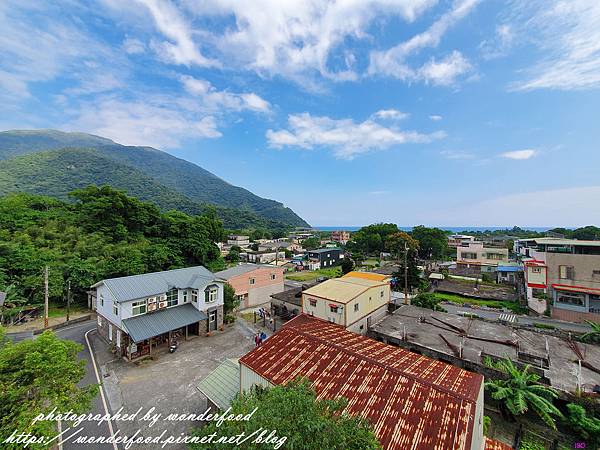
(162, 305)
(163, 297)
(151, 299)
(151, 306)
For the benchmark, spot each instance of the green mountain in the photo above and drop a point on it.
(78, 159)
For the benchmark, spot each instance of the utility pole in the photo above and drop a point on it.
(46, 297)
(68, 299)
(405, 273)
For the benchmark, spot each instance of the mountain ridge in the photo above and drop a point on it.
(188, 179)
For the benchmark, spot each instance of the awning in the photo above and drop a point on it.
(222, 384)
(580, 289)
(152, 324)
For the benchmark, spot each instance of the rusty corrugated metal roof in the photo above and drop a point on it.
(492, 444)
(412, 401)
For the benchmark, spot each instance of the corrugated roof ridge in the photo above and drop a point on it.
(380, 364)
(157, 273)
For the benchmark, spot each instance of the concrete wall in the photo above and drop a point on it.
(361, 326)
(536, 278)
(371, 300)
(323, 310)
(583, 266)
(481, 253)
(260, 292)
(478, 440)
(249, 378)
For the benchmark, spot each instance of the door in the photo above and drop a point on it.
(118, 339)
(212, 320)
(110, 332)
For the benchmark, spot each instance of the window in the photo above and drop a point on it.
(210, 294)
(252, 281)
(116, 309)
(355, 307)
(101, 300)
(194, 295)
(138, 308)
(172, 297)
(381, 294)
(312, 302)
(333, 309)
(571, 298)
(212, 316)
(536, 270)
(566, 272)
(596, 274)
(468, 255)
(273, 276)
(185, 296)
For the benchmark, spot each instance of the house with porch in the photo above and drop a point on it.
(254, 283)
(138, 313)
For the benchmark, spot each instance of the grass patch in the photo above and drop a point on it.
(55, 310)
(543, 326)
(311, 275)
(455, 298)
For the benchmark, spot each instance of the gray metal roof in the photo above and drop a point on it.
(149, 284)
(241, 269)
(145, 326)
(222, 384)
(324, 250)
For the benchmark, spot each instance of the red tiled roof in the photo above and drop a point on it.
(492, 444)
(412, 401)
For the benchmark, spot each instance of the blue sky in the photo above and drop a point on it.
(437, 112)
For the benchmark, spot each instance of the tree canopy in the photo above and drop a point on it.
(104, 234)
(37, 376)
(295, 413)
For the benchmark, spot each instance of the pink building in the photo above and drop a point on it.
(254, 283)
(340, 236)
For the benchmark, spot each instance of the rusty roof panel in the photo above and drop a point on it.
(492, 444)
(412, 401)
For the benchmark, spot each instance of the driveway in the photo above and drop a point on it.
(169, 383)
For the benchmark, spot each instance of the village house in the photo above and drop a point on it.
(140, 312)
(262, 256)
(239, 240)
(280, 245)
(340, 236)
(351, 301)
(254, 284)
(325, 257)
(565, 271)
(410, 400)
(474, 254)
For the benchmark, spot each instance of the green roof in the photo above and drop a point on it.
(222, 384)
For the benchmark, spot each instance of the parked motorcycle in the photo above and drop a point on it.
(173, 346)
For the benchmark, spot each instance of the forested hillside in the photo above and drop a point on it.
(58, 172)
(176, 174)
(103, 234)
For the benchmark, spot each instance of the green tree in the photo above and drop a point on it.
(294, 412)
(585, 427)
(521, 391)
(311, 243)
(230, 300)
(347, 265)
(433, 242)
(593, 335)
(234, 254)
(37, 376)
(371, 239)
(427, 300)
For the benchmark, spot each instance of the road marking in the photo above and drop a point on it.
(110, 427)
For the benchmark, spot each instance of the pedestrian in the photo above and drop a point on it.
(257, 339)
(263, 337)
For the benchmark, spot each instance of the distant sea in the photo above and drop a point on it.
(452, 229)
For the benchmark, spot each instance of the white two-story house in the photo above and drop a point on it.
(140, 312)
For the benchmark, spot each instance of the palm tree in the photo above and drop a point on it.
(522, 391)
(594, 334)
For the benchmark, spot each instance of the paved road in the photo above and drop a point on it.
(521, 319)
(77, 333)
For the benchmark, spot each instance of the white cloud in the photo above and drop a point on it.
(214, 99)
(446, 71)
(394, 61)
(457, 154)
(500, 44)
(435, 117)
(567, 34)
(296, 39)
(151, 121)
(519, 154)
(345, 137)
(379, 192)
(181, 48)
(391, 114)
(133, 46)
